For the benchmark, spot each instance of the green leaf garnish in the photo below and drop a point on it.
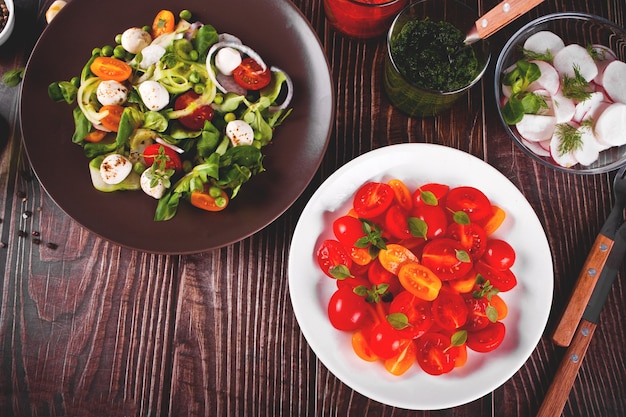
(340, 272)
(570, 138)
(461, 218)
(463, 256)
(418, 227)
(429, 198)
(398, 321)
(458, 338)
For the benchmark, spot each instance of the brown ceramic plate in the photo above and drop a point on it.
(274, 28)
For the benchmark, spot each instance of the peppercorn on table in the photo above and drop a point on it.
(90, 328)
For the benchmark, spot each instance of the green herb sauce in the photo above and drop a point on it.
(433, 55)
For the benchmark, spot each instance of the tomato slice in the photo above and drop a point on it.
(469, 200)
(108, 68)
(449, 310)
(112, 115)
(487, 339)
(419, 281)
(397, 222)
(430, 194)
(372, 199)
(477, 308)
(435, 354)
(402, 193)
(434, 217)
(153, 153)
(347, 310)
(403, 361)
(494, 221)
(417, 311)
(395, 256)
(471, 236)
(444, 257)
(196, 119)
(503, 280)
(250, 75)
(361, 346)
(385, 341)
(331, 254)
(378, 275)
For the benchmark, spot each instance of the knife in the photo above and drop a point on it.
(498, 17)
(559, 390)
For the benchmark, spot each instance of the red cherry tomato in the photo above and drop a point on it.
(469, 200)
(347, 310)
(250, 75)
(385, 341)
(378, 275)
(477, 308)
(195, 120)
(331, 254)
(172, 160)
(372, 199)
(434, 217)
(449, 310)
(428, 193)
(472, 237)
(504, 280)
(435, 354)
(417, 311)
(397, 222)
(487, 339)
(348, 230)
(444, 257)
(499, 254)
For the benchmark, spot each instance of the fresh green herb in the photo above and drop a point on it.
(576, 87)
(458, 338)
(340, 272)
(521, 101)
(463, 256)
(398, 321)
(433, 55)
(598, 54)
(429, 198)
(461, 218)
(374, 294)
(537, 56)
(418, 227)
(373, 239)
(570, 138)
(13, 77)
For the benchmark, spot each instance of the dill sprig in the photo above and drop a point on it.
(576, 87)
(570, 138)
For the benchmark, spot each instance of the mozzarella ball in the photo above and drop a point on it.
(154, 95)
(226, 60)
(145, 181)
(115, 168)
(150, 55)
(135, 39)
(239, 133)
(111, 92)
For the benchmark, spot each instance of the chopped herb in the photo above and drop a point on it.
(576, 87)
(570, 138)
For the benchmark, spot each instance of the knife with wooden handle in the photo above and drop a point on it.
(559, 390)
(498, 17)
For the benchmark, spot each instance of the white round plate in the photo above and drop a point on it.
(529, 302)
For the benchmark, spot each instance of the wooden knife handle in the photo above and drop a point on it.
(558, 393)
(503, 13)
(583, 288)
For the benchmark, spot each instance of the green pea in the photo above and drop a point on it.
(185, 14)
(139, 167)
(118, 38)
(107, 50)
(219, 98)
(193, 55)
(215, 192)
(229, 117)
(257, 135)
(220, 202)
(119, 52)
(147, 28)
(198, 88)
(194, 77)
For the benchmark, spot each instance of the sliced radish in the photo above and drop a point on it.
(590, 149)
(536, 128)
(536, 148)
(544, 41)
(549, 79)
(575, 56)
(564, 108)
(565, 160)
(614, 81)
(584, 107)
(610, 126)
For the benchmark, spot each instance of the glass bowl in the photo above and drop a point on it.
(573, 28)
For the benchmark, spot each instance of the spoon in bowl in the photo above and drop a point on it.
(498, 17)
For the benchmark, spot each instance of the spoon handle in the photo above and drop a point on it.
(501, 15)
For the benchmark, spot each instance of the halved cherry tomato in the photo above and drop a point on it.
(95, 136)
(434, 217)
(360, 256)
(353, 282)
(477, 308)
(347, 310)
(112, 118)
(378, 275)
(461, 359)
(108, 68)
(385, 341)
(397, 222)
(493, 222)
(210, 199)
(331, 254)
(469, 200)
(443, 257)
(348, 229)
(394, 256)
(372, 199)
(464, 284)
(487, 339)
(361, 346)
(419, 281)
(417, 311)
(435, 355)
(172, 160)
(164, 22)
(402, 193)
(499, 254)
(500, 305)
(503, 280)
(471, 236)
(195, 120)
(403, 361)
(430, 193)
(449, 310)
(250, 75)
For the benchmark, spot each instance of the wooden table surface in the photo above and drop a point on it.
(88, 328)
